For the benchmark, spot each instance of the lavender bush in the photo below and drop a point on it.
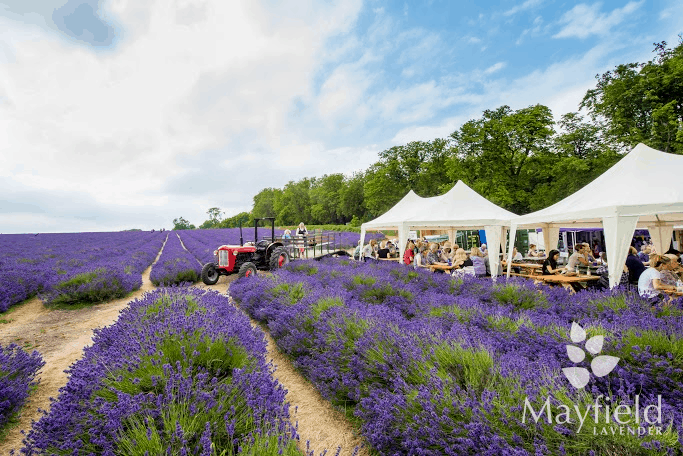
(73, 267)
(434, 365)
(175, 265)
(181, 372)
(17, 376)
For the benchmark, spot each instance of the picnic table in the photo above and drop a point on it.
(530, 268)
(389, 259)
(565, 280)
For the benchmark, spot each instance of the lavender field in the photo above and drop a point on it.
(17, 377)
(181, 372)
(73, 267)
(94, 267)
(432, 365)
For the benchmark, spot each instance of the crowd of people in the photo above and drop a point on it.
(422, 253)
(653, 274)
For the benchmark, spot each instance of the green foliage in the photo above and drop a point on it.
(643, 102)
(519, 297)
(182, 224)
(72, 293)
(294, 292)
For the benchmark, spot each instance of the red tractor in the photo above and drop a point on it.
(245, 260)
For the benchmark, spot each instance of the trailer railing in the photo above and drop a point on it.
(314, 244)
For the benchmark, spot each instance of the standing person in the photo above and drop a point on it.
(302, 232)
(409, 254)
(369, 251)
(483, 249)
(287, 234)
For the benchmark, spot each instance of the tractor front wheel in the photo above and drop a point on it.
(247, 269)
(209, 274)
(278, 258)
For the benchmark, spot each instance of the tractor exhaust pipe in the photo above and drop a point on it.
(241, 239)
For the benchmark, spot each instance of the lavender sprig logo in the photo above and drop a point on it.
(600, 365)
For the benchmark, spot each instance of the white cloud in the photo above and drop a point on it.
(585, 20)
(528, 4)
(495, 67)
(114, 125)
(473, 40)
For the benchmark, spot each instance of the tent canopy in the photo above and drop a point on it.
(459, 208)
(643, 190)
(645, 183)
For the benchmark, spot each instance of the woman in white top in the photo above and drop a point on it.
(650, 282)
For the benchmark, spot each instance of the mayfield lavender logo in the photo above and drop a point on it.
(601, 365)
(606, 417)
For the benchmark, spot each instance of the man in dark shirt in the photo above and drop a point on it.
(634, 265)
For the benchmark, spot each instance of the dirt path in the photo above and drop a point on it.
(60, 336)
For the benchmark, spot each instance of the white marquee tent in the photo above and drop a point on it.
(643, 190)
(459, 208)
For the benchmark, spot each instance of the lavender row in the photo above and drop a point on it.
(90, 265)
(175, 265)
(433, 365)
(180, 372)
(18, 370)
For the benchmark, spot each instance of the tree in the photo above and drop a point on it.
(215, 214)
(233, 222)
(351, 201)
(182, 224)
(498, 155)
(325, 197)
(264, 202)
(643, 102)
(293, 204)
(419, 165)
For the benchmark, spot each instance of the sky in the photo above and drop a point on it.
(122, 114)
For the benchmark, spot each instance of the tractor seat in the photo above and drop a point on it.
(262, 243)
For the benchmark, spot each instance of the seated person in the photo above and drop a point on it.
(650, 284)
(369, 250)
(577, 258)
(516, 256)
(383, 251)
(634, 265)
(587, 252)
(460, 259)
(419, 261)
(483, 249)
(478, 261)
(391, 247)
(672, 274)
(603, 272)
(432, 255)
(550, 264)
(409, 254)
(532, 251)
(446, 252)
(644, 254)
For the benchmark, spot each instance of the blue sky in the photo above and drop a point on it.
(129, 113)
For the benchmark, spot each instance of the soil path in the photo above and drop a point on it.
(60, 336)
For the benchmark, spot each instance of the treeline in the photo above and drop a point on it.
(521, 160)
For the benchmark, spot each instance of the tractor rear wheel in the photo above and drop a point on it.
(278, 258)
(247, 269)
(209, 274)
